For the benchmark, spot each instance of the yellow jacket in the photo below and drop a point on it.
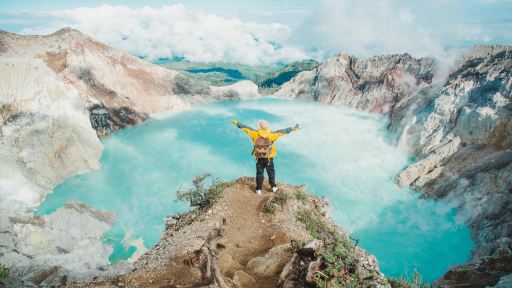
(272, 135)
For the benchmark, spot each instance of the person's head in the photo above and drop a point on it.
(262, 125)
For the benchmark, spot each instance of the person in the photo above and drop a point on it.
(265, 163)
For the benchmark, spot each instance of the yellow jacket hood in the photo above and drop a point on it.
(272, 135)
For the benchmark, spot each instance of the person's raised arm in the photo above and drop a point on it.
(252, 133)
(278, 133)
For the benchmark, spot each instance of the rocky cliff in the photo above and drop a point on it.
(54, 249)
(257, 249)
(60, 94)
(456, 121)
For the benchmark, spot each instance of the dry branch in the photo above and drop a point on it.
(274, 195)
(204, 260)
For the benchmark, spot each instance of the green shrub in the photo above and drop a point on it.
(203, 195)
(4, 272)
(301, 196)
(281, 198)
(339, 254)
(408, 281)
(314, 224)
(278, 200)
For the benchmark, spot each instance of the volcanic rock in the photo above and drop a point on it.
(455, 120)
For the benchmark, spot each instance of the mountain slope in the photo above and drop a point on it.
(455, 121)
(58, 92)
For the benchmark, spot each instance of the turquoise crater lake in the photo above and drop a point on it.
(341, 153)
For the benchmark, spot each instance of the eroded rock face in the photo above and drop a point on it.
(375, 84)
(58, 248)
(456, 122)
(61, 93)
(272, 263)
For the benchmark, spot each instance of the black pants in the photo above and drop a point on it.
(260, 168)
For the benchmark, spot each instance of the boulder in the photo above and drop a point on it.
(62, 246)
(423, 166)
(243, 280)
(325, 207)
(272, 263)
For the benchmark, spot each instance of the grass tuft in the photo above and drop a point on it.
(301, 196)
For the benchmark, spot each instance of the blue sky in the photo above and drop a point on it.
(262, 32)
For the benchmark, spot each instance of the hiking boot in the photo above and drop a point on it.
(258, 192)
(274, 189)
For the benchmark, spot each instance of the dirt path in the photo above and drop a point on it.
(252, 233)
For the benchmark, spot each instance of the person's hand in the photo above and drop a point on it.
(234, 122)
(294, 128)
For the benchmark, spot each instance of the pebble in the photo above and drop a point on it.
(239, 245)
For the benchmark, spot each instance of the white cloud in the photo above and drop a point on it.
(362, 28)
(175, 31)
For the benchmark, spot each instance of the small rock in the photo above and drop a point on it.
(273, 237)
(242, 279)
(272, 263)
(324, 207)
(210, 211)
(239, 245)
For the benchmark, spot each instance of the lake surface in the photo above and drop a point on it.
(344, 154)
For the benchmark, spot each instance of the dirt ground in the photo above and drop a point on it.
(252, 232)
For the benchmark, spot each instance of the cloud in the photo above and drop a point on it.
(174, 31)
(362, 28)
(365, 28)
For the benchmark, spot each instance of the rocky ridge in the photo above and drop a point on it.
(61, 93)
(455, 121)
(258, 251)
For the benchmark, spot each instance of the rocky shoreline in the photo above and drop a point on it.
(63, 247)
(456, 121)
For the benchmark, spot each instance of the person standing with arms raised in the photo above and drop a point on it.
(264, 150)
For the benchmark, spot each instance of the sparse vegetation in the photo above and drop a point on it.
(4, 272)
(301, 196)
(412, 280)
(276, 201)
(268, 78)
(218, 73)
(270, 82)
(338, 258)
(203, 195)
(216, 253)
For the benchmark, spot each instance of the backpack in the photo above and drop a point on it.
(262, 148)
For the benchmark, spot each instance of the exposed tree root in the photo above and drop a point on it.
(205, 259)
